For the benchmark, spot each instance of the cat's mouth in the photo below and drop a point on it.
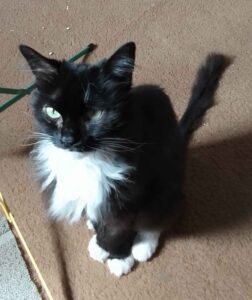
(81, 148)
(78, 147)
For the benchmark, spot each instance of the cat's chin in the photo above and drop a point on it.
(75, 148)
(80, 149)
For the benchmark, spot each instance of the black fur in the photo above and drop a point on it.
(142, 126)
(202, 99)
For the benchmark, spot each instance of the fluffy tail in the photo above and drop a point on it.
(202, 95)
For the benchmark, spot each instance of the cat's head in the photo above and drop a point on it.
(79, 106)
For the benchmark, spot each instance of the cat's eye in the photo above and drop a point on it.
(52, 113)
(97, 115)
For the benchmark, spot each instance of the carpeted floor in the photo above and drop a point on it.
(15, 281)
(209, 254)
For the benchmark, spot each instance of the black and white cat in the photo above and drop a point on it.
(112, 152)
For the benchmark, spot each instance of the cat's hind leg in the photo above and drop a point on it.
(113, 243)
(145, 245)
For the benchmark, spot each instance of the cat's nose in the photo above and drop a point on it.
(67, 140)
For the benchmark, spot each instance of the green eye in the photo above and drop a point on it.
(52, 113)
(97, 115)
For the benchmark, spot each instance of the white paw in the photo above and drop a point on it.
(95, 251)
(144, 250)
(90, 225)
(120, 267)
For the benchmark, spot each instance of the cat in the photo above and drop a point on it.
(114, 153)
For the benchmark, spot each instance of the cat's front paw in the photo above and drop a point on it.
(120, 267)
(96, 252)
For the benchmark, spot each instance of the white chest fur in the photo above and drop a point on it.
(83, 181)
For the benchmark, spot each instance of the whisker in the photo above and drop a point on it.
(118, 144)
(34, 143)
(119, 148)
(98, 150)
(122, 140)
(39, 134)
(30, 144)
(35, 138)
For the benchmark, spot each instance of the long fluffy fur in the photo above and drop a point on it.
(82, 181)
(123, 169)
(202, 95)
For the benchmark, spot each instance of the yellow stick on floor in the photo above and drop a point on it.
(12, 221)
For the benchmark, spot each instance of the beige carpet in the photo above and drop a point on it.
(209, 255)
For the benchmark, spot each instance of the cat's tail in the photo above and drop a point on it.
(202, 94)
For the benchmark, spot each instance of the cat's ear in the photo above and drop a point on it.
(44, 69)
(121, 63)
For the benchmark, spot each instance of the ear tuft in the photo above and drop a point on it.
(43, 68)
(121, 63)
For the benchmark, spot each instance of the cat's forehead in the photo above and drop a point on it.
(87, 72)
(74, 83)
(79, 87)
